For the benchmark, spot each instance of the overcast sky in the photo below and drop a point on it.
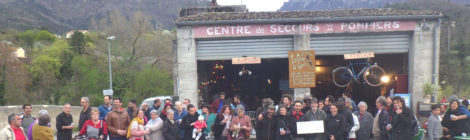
(255, 5)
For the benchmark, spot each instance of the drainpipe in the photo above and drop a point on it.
(435, 63)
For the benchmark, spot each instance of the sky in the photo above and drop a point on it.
(255, 5)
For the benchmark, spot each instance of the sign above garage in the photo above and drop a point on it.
(312, 28)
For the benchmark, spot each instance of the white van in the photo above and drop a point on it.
(149, 101)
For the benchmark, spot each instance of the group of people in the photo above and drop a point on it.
(227, 120)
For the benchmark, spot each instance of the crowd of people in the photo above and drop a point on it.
(342, 119)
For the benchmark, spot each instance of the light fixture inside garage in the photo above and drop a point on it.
(244, 71)
(385, 79)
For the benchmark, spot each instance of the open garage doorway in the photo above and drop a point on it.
(395, 66)
(251, 82)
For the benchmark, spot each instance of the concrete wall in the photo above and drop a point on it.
(186, 77)
(421, 61)
(52, 109)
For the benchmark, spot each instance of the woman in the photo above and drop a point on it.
(365, 122)
(286, 101)
(402, 120)
(209, 118)
(283, 124)
(179, 115)
(154, 126)
(163, 114)
(94, 128)
(170, 129)
(321, 104)
(136, 130)
(241, 125)
(222, 123)
(41, 130)
(453, 128)
(335, 125)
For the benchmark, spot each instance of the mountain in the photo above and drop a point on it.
(292, 5)
(60, 16)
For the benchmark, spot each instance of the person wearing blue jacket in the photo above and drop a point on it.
(105, 108)
(180, 113)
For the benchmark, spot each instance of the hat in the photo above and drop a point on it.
(200, 118)
(307, 96)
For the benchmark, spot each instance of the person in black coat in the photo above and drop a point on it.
(296, 116)
(347, 115)
(170, 130)
(283, 124)
(335, 124)
(188, 123)
(455, 127)
(266, 124)
(401, 120)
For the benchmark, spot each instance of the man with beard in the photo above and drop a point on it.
(267, 124)
(315, 114)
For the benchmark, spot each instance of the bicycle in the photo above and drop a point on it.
(371, 74)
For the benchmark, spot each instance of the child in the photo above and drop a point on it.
(200, 124)
(434, 123)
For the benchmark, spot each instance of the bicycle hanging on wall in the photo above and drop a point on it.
(372, 75)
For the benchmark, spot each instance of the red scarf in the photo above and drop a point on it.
(297, 116)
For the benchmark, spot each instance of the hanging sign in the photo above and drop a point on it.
(301, 69)
(246, 60)
(359, 55)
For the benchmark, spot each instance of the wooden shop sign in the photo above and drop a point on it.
(301, 69)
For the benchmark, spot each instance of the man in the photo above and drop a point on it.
(117, 121)
(266, 123)
(186, 102)
(315, 114)
(167, 101)
(465, 101)
(147, 110)
(307, 102)
(188, 122)
(132, 108)
(217, 104)
(296, 116)
(347, 115)
(381, 121)
(328, 101)
(85, 113)
(13, 131)
(27, 119)
(353, 103)
(64, 124)
(157, 103)
(236, 102)
(106, 107)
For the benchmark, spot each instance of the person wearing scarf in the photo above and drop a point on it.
(296, 116)
(136, 130)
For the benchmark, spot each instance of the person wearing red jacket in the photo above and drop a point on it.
(94, 128)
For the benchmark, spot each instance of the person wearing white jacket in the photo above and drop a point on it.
(356, 126)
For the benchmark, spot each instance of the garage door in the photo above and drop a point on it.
(339, 44)
(251, 47)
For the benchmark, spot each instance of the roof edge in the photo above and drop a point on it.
(303, 20)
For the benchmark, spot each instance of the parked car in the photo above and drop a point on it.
(150, 100)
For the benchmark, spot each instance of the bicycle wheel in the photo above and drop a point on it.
(373, 75)
(342, 76)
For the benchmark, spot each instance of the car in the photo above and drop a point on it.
(149, 101)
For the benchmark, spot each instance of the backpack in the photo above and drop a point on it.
(415, 126)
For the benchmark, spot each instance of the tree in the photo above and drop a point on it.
(78, 42)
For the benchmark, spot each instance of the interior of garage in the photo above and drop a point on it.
(270, 79)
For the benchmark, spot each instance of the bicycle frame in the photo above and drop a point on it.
(356, 76)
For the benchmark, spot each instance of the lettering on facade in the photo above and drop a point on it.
(289, 29)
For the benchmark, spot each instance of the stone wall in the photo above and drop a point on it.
(53, 110)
